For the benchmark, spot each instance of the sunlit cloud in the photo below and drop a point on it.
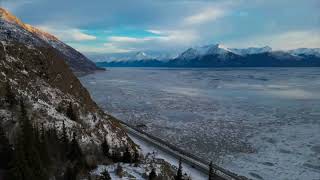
(107, 47)
(68, 34)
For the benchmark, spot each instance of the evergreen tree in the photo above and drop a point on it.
(105, 148)
(71, 114)
(75, 152)
(127, 156)
(105, 175)
(36, 137)
(153, 174)
(6, 153)
(136, 156)
(64, 138)
(119, 171)
(211, 173)
(5, 150)
(55, 145)
(53, 134)
(19, 166)
(116, 156)
(179, 172)
(70, 174)
(10, 97)
(54, 130)
(43, 147)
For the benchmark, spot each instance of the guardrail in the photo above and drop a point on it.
(189, 158)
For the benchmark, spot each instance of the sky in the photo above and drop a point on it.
(117, 26)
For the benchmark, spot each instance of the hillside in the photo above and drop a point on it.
(35, 74)
(50, 128)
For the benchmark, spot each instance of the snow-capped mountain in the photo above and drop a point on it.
(190, 53)
(195, 52)
(306, 51)
(251, 50)
(207, 50)
(142, 56)
(131, 56)
(117, 57)
(76, 61)
(217, 49)
(217, 55)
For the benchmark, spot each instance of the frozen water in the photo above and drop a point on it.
(258, 122)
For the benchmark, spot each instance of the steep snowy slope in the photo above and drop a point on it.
(251, 50)
(306, 52)
(78, 63)
(196, 52)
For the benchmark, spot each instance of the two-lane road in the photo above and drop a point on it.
(194, 166)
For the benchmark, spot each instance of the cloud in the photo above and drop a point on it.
(158, 32)
(162, 40)
(295, 39)
(105, 48)
(125, 39)
(174, 24)
(282, 41)
(68, 34)
(77, 35)
(204, 16)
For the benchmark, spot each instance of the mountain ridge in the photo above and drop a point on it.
(216, 55)
(36, 74)
(79, 64)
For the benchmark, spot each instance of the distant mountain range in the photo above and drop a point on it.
(218, 56)
(25, 33)
(132, 56)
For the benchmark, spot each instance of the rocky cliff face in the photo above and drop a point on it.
(38, 73)
(78, 63)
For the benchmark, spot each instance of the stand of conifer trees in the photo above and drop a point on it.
(36, 150)
(116, 156)
(6, 153)
(27, 161)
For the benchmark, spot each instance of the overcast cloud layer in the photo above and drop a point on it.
(108, 26)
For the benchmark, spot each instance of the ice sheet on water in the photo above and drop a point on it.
(253, 121)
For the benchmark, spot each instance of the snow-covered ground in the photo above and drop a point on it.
(148, 148)
(261, 123)
(150, 151)
(134, 171)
